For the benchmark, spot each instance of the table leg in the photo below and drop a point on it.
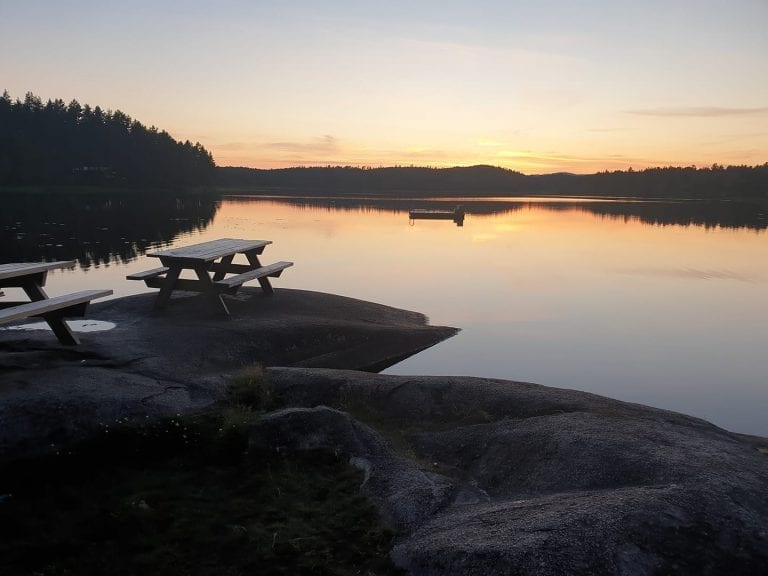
(35, 292)
(210, 292)
(227, 260)
(253, 260)
(167, 288)
(62, 330)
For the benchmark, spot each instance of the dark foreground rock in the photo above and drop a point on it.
(480, 477)
(155, 364)
(488, 477)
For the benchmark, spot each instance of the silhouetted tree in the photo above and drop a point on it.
(58, 143)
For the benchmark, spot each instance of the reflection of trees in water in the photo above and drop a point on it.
(377, 205)
(99, 229)
(709, 214)
(96, 229)
(752, 215)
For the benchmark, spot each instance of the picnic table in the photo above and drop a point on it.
(31, 277)
(212, 263)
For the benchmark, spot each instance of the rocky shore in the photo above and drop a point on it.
(179, 360)
(477, 476)
(488, 477)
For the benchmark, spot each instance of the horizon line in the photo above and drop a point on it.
(366, 167)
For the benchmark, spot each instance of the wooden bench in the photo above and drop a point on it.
(270, 270)
(154, 272)
(53, 310)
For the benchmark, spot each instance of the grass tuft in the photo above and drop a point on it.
(250, 388)
(184, 496)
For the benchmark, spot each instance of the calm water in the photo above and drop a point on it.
(662, 304)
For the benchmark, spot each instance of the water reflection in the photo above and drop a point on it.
(99, 229)
(96, 229)
(658, 303)
(707, 213)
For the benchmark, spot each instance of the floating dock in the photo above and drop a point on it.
(457, 215)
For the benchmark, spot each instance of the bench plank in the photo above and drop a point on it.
(147, 273)
(43, 307)
(272, 270)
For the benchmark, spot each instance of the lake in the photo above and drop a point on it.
(652, 302)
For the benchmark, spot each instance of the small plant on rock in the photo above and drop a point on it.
(250, 388)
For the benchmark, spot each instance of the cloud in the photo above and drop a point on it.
(693, 273)
(233, 146)
(326, 144)
(698, 111)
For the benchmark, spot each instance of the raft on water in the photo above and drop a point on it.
(457, 215)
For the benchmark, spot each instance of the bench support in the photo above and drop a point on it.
(264, 282)
(210, 291)
(167, 287)
(62, 331)
(53, 311)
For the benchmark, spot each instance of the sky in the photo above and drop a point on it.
(536, 86)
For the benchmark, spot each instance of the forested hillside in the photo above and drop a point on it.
(54, 143)
(671, 182)
(408, 181)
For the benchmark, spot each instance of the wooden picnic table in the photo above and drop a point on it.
(31, 277)
(211, 262)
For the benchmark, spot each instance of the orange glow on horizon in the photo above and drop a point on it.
(482, 153)
(525, 162)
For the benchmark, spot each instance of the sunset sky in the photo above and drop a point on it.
(536, 86)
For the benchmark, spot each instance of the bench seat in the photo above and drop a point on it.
(65, 305)
(271, 270)
(148, 273)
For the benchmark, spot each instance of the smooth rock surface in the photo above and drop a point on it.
(179, 359)
(488, 477)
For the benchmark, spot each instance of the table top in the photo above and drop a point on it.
(16, 269)
(211, 250)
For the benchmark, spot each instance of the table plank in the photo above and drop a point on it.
(16, 269)
(211, 250)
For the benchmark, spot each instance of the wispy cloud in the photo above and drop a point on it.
(699, 111)
(233, 146)
(693, 273)
(321, 144)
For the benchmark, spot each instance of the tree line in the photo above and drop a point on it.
(397, 180)
(670, 182)
(54, 143)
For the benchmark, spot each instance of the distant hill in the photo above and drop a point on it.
(396, 180)
(671, 182)
(54, 143)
